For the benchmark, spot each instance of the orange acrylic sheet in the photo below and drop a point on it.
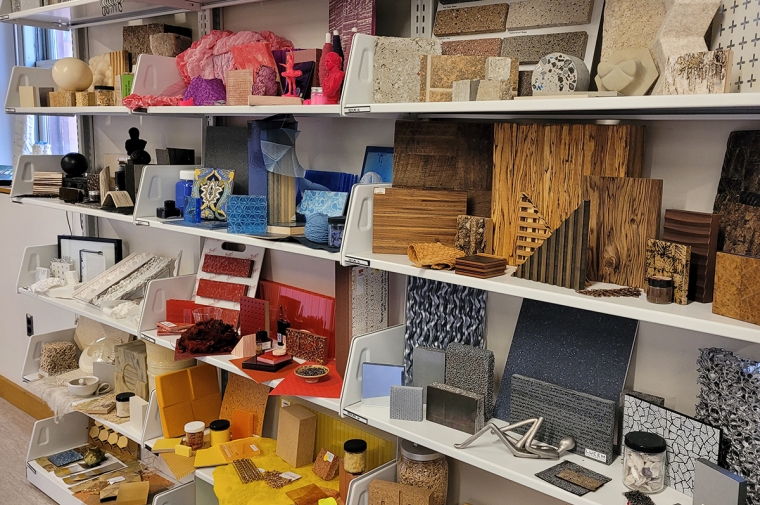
(327, 387)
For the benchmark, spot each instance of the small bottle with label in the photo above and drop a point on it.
(282, 328)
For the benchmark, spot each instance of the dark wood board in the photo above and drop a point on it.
(625, 212)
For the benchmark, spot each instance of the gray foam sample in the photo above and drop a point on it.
(471, 368)
(429, 366)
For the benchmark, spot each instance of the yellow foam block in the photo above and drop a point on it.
(204, 381)
(173, 388)
(174, 418)
(183, 450)
(206, 409)
(212, 456)
(166, 444)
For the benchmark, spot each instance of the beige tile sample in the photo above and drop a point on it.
(438, 73)
(471, 20)
(496, 89)
(630, 24)
(547, 13)
(465, 91)
(396, 67)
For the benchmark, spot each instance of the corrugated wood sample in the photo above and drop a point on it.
(699, 231)
(547, 163)
(405, 216)
(625, 212)
(672, 260)
(446, 155)
(562, 258)
(531, 231)
(737, 287)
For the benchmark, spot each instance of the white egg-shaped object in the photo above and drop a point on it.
(72, 74)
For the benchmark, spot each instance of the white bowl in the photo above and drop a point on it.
(86, 386)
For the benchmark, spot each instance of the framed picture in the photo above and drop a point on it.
(380, 161)
(91, 255)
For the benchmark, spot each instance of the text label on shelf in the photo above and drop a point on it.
(357, 261)
(355, 417)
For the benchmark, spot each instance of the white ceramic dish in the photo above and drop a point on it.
(86, 386)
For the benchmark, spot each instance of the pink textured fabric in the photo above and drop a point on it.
(253, 56)
(210, 56)
(133, 102)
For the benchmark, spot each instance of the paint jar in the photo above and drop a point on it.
(317, 96)
(122, 404)
(183, 189)
(337, 225)
(194, 434)
(644, 462)
(355, 456)
(660, 290)
(421, 467)
(220, 431)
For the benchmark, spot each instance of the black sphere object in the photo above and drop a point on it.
(74, 164)
(140, 157)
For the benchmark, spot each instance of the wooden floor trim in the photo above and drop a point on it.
(23, 399)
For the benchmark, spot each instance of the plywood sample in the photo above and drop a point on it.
(562, 258)
(547, 163)
(668, 259)
(446, 155)
(737, 287)
(625, 212)
(700, 232)
(405, 216)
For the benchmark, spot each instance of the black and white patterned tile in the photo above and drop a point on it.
(737, 27)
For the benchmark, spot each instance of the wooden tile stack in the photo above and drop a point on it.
(481, 266)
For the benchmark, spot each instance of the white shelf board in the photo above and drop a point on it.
(55, 203)
(223, 362)
(261, 111)
(278, 245)
(694, 316)
(83, 309)
(69, 111)
(488, 453)
(124, 428)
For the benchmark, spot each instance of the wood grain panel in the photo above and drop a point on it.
(547, 163)
(737, 287)
(281, 192)
(405, 216)
(700, 232)
(625, 212)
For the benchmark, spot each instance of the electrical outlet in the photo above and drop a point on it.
(29, 325)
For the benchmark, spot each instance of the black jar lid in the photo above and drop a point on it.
(219, 425)
(641, 441)
(337, 220)
(355, 446)
(124, 397)
(104, 88)
(660, 282)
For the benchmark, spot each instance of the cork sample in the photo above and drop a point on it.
(471, 20)
(547, 163)
(244, 394)
(667, 259)
(473, 47)
(531, 48)
(625, 212)
(438, 73)
(474, 235)
(396, 67)
(239, 86)
(548, 13)
(704, 73)
(169, 44)
(737, 287)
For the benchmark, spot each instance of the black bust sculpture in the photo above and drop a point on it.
(136, 148)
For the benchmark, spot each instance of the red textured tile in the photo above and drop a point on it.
(221, 290)
(224, 265)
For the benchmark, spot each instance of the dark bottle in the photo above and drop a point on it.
(282, 328)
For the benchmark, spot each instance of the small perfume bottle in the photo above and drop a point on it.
(282, 328)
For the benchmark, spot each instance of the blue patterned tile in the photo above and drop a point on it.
(330, 203)
(247, 214)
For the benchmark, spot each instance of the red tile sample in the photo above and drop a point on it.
(225, 265)
(254, 316)
(217, 290)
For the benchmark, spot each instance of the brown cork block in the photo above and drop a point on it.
(62, 99)
(85, 99)
(438, 73)
(239, 86)
(296, 434)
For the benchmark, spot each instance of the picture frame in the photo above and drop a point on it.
(380, 161)
(91, 255)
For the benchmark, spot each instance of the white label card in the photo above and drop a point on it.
(290, 476)
(598, 456)
(116, 479)
(329, 456)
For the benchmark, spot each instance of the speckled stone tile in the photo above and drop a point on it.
(438, 73)
(465, 91)
(471, 20)
(501, 68)
(496, 89)
(545, 13)
(626, 28)
(396, 68)
(137, 37)
(168, 44)
(525, 83)
(531, 48)
(473, 47)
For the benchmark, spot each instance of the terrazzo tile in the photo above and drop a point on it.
(547, 13)
(531, 48)
(626, 28)
(473, 47)
(471, 20)
(396, 67)
(438, 73)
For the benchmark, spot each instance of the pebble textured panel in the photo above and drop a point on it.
(547, 13)
(531, 48)
(396, 67)
(550, 476)
(473, 47)
(588, 419)
(687, 439)
(471, 20)
(471, 368)
(626, 28)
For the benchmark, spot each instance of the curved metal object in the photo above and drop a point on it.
(526, 446)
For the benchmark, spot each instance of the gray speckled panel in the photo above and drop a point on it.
(396, 67)
(429, 366)
(406, 403)
(576, 349)
(586, 418)
(531, 48)
(471, 368)
(227, 147)
(550, 476)
(547, 13)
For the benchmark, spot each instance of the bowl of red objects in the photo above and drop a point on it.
(312, 373)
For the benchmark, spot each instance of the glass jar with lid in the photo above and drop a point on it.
(644, 462)
(421, 467)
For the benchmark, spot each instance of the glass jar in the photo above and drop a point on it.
(220, 431)
(337, 225)
(424, 468)
(644, 462)
(105, 96)
(317, 96)
(194, 434)
(355, 456)
(183, 189)
(122, 404)
(660, 290)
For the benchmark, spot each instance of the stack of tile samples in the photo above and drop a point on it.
(481, 266)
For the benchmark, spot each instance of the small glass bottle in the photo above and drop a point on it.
(660, 290)
(644, 462)
(183, 189)
(355, 456)
(194, 434)
(337, 225)
(122, 404)
(282, 327)
(317, 97)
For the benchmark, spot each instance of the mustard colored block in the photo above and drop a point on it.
(242, 423)
(207, 409)
(173, 388)
(212, 456)
(174, 418)
(165, 445)
(183, 450)
(203, 381)
(133, 493)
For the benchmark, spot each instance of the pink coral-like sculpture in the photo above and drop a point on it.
(334, 79)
